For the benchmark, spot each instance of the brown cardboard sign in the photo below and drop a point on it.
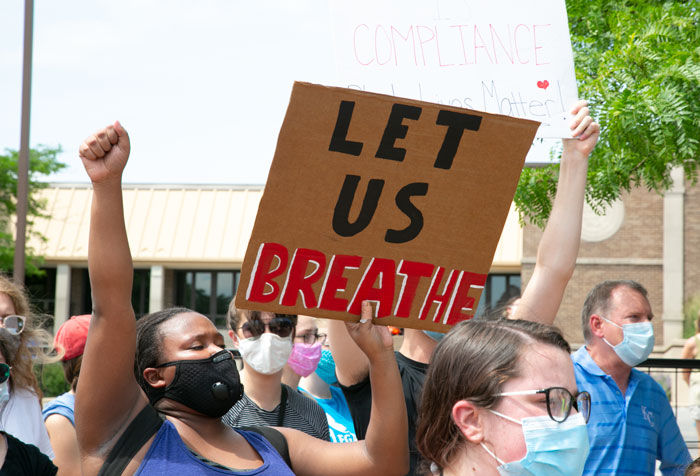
(373, 197)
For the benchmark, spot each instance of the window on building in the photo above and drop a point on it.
(207, 292)
(499, 288)
(42, 291)
(140, 293)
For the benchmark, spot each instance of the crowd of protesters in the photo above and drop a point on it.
(500, 395)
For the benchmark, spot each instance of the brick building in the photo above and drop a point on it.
(651, 238)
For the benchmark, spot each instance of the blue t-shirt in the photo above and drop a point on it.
(61, 405)
(628, 433)
(168, 456)
(340, 424)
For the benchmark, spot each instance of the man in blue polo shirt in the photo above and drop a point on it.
(632, 424)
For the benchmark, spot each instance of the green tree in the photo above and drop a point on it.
(638, 65)
(42, 162)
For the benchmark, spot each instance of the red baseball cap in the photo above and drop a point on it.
(71, 336)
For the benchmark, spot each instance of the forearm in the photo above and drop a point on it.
(109, 258)
(386, 441)
(560, 241)
(558, 248)
(351, 364)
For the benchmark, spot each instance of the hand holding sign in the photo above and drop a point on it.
(374, 341)
(584, 130)
(393, 201)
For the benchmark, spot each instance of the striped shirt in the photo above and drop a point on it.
(628, 433)
(301, 413)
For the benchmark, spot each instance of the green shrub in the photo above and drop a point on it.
(690, 315)
(51, 379)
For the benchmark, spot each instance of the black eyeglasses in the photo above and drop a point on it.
(559, 402)
(281, 326)
(312, 338)
(13, 324)
(4, 372)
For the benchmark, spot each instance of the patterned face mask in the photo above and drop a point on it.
(304, 358)
(326, 367)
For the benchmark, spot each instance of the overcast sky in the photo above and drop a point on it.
(201, 86)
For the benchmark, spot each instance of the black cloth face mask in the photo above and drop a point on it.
(210, 386)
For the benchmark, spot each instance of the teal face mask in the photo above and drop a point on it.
(554, 449)
(437, 336)
(637, 342)
(326, 367)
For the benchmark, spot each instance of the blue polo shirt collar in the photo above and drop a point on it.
(584, 359)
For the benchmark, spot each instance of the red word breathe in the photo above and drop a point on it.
(277, 276)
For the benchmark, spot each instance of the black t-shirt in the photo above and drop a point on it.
(359, 397)
(25, 460)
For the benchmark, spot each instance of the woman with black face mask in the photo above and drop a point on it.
(167, 418)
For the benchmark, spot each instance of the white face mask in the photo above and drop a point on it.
(266, 354)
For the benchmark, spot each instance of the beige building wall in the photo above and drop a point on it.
(633, 251)
(692, 241)
(656, 242)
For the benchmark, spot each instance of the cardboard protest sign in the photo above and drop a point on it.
(396, 201)
(510, 57)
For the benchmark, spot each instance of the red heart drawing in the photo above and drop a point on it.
(543, 84)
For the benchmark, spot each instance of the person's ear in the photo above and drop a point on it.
(595, 322)
(467, 417)
(233, 337)
(154, 377)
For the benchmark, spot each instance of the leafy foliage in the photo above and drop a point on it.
(42, 162)
(690, 315)
(638, 65)
(51, 379)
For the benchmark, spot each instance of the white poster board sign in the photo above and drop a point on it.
(507, 57)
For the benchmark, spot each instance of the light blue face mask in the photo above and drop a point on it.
(437, 336)
(326, 367)
(554, 449)
(637, 342)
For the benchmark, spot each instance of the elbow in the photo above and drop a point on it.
(558, 272)
(397, 467)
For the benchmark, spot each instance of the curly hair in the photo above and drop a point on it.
(35, 343)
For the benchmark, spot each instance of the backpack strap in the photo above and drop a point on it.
(139, 431)
(276, 439)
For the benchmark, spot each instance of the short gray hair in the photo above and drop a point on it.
(598, 301)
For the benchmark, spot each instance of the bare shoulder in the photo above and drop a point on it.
(689, 348)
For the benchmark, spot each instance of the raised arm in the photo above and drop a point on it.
(385, 448)
(107, 396)
(351, 364)
(558, 248)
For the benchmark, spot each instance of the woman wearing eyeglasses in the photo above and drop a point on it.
(266, 341)
(300, 372)
(151, 395)
(20, 395)
(500, 397)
